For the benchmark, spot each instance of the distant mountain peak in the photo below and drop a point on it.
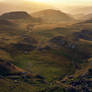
(53, 16)
(50, 10)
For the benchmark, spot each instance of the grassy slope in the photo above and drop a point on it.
(50, 64)
(47, 64)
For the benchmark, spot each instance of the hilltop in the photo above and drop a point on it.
(53, 16)
(16, 15)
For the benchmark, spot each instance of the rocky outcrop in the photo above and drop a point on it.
(77, 53)
(84, 34)
(82, 83)
(61, 41)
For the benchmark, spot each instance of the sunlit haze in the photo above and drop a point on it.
(35, 5)
(39, 0)
(66, 2)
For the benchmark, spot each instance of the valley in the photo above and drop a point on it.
(42, 53)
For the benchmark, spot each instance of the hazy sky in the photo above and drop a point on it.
(36, 5)
(56, 2)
